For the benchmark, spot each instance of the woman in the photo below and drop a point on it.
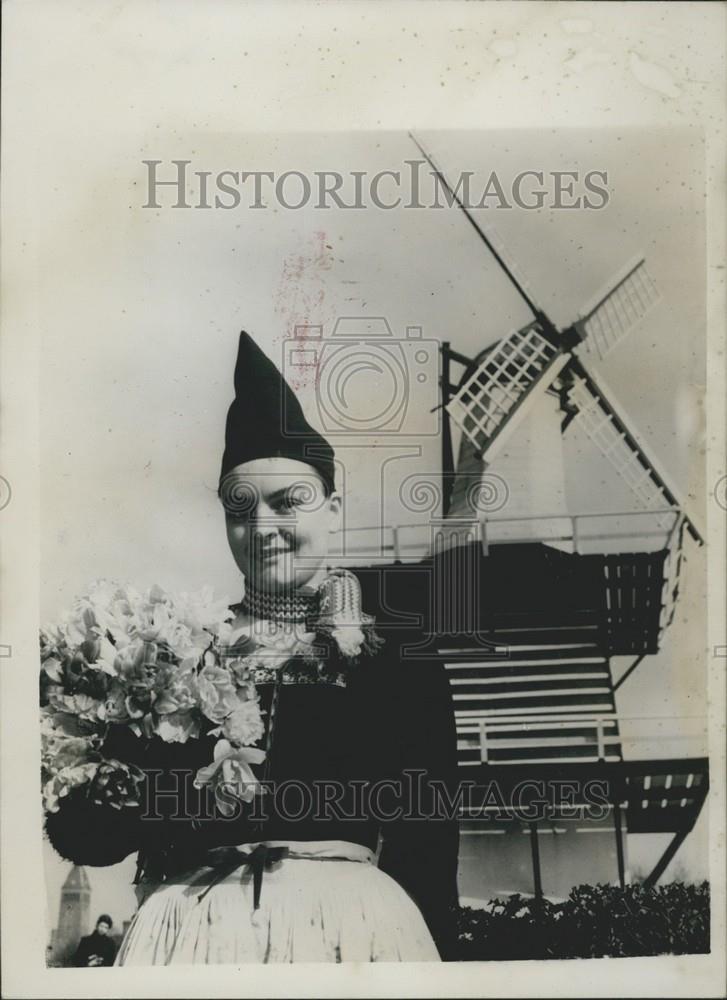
(96, 948)
(340, 858)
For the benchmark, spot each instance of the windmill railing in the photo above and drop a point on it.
(672, 573)
(594, 737)
(581, 533)
(573, 529)
(598, 737)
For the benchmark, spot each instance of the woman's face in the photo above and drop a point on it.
(279, 522)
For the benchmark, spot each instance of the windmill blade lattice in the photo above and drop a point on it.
(602, 425)
(519, 369)
(617, 312)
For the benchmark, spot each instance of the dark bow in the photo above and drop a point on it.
(229, 859)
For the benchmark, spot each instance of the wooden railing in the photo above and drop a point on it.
(414, 541)
(492, 736)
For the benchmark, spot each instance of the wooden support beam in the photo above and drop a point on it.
(628, 673)
(535, 852)
(447, 452)
(618, 826)
(666, 857)
(461, 359)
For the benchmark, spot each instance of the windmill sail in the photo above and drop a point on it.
(498, 395)
(489, 238)
(599, 419)
(518, 371)
(619, 310)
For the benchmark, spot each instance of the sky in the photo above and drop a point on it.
(141, 310)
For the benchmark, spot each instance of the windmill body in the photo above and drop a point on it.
(558, 595)
(524, 486)
(560, 601)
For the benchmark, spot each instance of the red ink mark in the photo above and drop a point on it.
(300, 303)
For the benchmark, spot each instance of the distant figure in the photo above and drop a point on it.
(97, 948)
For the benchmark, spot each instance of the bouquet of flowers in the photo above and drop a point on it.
(157, 664)
(161, 666)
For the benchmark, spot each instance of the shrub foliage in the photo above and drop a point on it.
(594, 922)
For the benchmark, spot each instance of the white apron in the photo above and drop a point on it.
(323, 902)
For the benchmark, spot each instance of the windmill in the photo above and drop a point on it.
(545, 706)
(511, 378)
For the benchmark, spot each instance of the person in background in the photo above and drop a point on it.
(97, 948)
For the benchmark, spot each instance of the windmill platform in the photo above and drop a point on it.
(527, 633)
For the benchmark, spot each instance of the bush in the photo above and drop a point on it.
(594, 922)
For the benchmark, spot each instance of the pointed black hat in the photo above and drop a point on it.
(266, 420)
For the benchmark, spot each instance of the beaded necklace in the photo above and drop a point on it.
(292, 606)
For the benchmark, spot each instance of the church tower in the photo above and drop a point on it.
(73, 914)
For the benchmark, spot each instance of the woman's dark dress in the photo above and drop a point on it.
(393, 716)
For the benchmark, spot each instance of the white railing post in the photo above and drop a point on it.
(395, 540)
(600, 740)
(483, 741)
(483, 537)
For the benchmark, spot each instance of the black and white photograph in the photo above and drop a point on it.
(373, 502)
